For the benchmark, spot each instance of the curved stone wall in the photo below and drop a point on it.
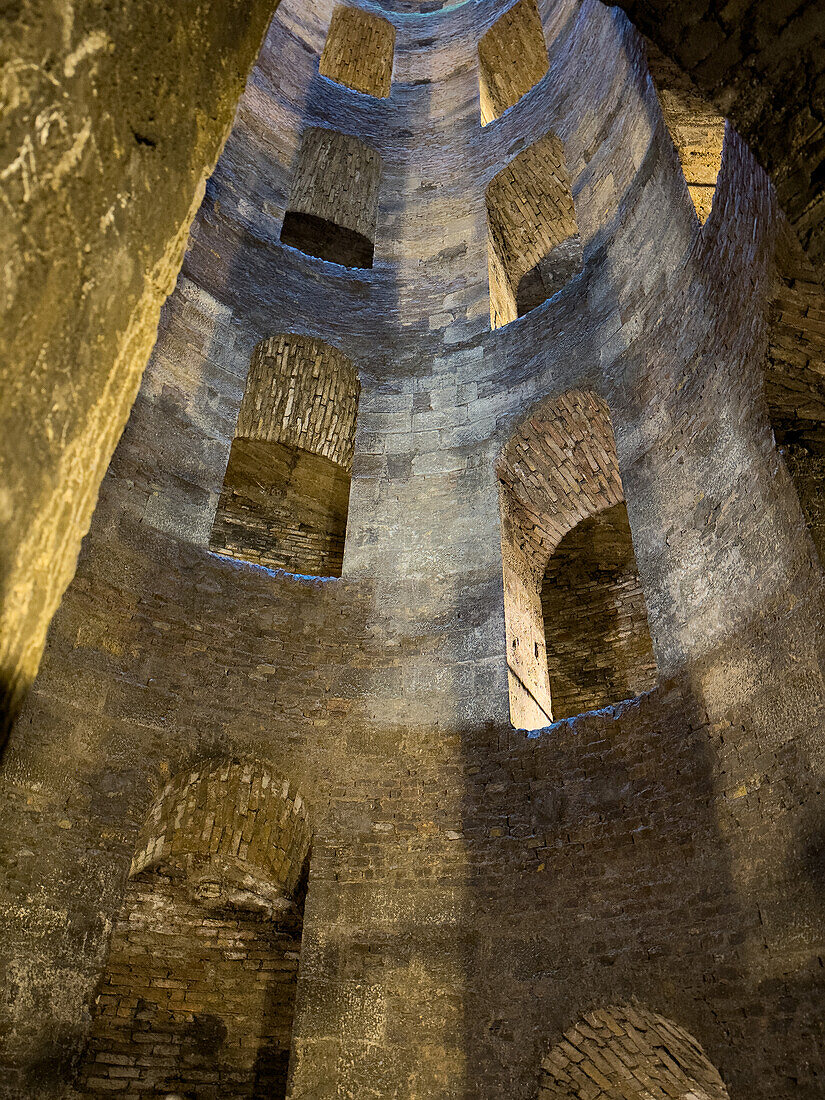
(665, 849)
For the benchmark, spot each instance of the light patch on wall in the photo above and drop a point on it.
(696, 129)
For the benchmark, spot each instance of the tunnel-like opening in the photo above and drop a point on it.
(333, 205)
(576, 626)
(595, 621)
(359, 51)
(198, 994)
(533, 242)
(512, 58)
(795, 379)
(285, 494)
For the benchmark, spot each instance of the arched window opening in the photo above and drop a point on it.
(628, 1051)
(533, 242)
(333, 206)
(199, 990)
(285, 493)
(696, 129)
(595, 621)
(576, 626)
(359, 51)
(795, 379)
(512, 58)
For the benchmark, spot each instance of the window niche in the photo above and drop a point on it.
(333, 205)
(199, 990)
(638, 1054)
(512, 58)
(795, 379)
(359, 51)
(695, 126)
(533, 242)
(285, 494)
(576, 624)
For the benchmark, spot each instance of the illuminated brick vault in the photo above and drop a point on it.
(435, 708)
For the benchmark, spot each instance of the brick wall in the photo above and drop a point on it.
(197, 999)
(595, 623)
(333, 202)
(286, 489)
(512, 58)
(359, 50)
(695, 125)
(199, 988)
(628, 1051)
(534, 246)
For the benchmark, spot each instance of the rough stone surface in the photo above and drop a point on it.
(512, 58)
(110, 128)
(333, 203)
(534, 244)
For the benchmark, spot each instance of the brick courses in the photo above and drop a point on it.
(358, 51)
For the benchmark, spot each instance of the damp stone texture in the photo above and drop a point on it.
(469, 878)
(512, 58)
(333, 203)
(534, 247)
(359, 51)
(286, 489)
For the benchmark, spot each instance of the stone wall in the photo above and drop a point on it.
(595, 624)
(795, 380)
(473, 890)
(199, 987)
(111, 128)
(533, 235)
(512, 58)
(333, 202)
(197, 999)
(359, 50)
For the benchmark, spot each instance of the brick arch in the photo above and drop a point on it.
(285, 495)
(559, 470)
(631, 1052)
(231, 826)
(198, 994)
